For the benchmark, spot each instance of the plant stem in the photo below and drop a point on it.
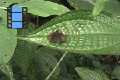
(56, 66)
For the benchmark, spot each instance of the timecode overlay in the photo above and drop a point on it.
(17, 17)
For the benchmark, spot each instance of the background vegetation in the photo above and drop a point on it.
(91, 51)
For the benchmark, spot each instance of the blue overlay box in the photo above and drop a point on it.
(16, 16)
(16, 9)
(16, 24)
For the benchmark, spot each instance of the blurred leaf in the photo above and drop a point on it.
(8, 42)
(116, 72)
(44, 8)
(4, 78)
(112, 6)
(102, 74)
(3, 17)
(96, 63)
(98, 7)
(90, 1)
(85, 33)
(7, 70)
(81, 4)
(56, 1)
(86, 74)
(63, 78)
(32, 77)
(47, 60)
(24, 52)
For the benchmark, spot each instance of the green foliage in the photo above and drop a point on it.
(97, 6)
(8, 42)
(34, 58)
(116, 72)
(85, 33)
(32, 77)
(7, 70)
(3, 18)
(81, 4)
(39, 7)
(46, 59)
(112, 6)
(24, 50)
(96, 74)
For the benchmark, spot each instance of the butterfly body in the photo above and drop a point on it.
(57, 37)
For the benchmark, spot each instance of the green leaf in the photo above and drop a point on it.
(44, 8)
(44, 56)
(3, 18)
(7, 70)
(24, 52)
(112, 6)
(8, 42)
(87, 74)
(98, 6)
(81, 4)
(116, 72)
(85, 33)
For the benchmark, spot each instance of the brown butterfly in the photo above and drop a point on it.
(57, 36)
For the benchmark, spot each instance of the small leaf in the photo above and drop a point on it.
(87, 74)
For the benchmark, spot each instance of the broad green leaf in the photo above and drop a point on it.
(24, 52)
(98, 6)
(85, 33)
(8, 40)
(7, 70)
(44, 57)
(44, 8)
(87, 74)
(116, 72)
